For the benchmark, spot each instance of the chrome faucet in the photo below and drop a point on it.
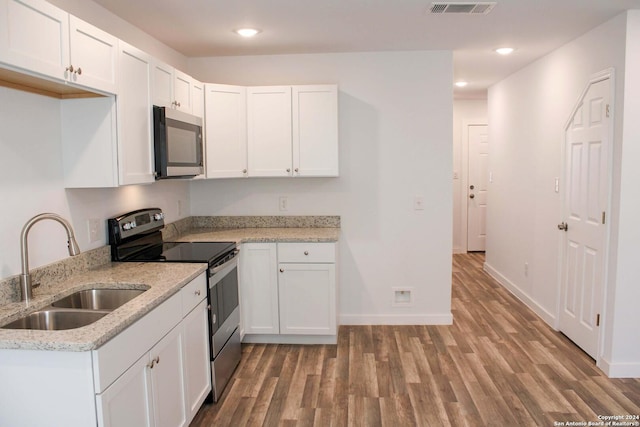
(25, 277)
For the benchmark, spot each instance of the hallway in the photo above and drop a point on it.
(498, 364)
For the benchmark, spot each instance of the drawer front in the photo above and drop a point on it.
(194, 292)
(307, 252)
(119, 353)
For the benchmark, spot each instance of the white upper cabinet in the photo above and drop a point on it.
(42, 39)
(135, 129)
(226, 131)
(94, 55)
(315, 130)
(269, 131)
(174, 89)
(293, 131)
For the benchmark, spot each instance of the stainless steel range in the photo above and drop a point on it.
(136, 236)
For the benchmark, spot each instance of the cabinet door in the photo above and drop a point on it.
(259, 288)
(167, 380)
(182, 94)
(197, 372)
(307, 299)
(197, 98)
(126, 402)
(135, 133)
(93, 55)
(269, 130)
(34, 35)
(315, 130)
(226, 127)
(162, 84)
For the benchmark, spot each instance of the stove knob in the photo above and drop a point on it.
(158, 216)
(126, 226)
(133, 224)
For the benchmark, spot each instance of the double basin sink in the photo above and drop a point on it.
(76, 310)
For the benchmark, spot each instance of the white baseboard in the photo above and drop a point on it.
(396, 319)
(459, 251)
(620, 370)
(549, 318)
(289, 339)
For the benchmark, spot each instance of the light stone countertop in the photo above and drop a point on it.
(161, 279)
(261, 235)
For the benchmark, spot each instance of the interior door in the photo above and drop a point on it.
(478, 184)
(585, 201)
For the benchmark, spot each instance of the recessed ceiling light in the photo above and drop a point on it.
(247, 32)
(505, 50)
(461, 83)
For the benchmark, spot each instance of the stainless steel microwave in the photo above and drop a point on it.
(178, 143)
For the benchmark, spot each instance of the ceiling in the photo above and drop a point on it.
(534, 27)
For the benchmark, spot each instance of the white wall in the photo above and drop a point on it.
(622, 344)
(465, 112)
(527, 113)
(395, 143)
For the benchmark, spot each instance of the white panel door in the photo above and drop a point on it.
(162, 84)
(585, 201)
(259, 288)
(93, 55)
(167, 379)
(315, 130)
(34, 35)
(478, 187)
(135, 130)
(269, 131)
(126, 402)
(197, 366)
(307, 299)
(226, 128)
(182, 93)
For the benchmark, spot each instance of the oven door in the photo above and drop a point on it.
(223, 294)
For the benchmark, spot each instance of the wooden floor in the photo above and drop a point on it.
(497, 365)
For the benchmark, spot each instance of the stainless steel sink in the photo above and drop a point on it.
(56, 320)
(98, 299)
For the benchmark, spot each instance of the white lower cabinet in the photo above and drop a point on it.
(156, 372)
(288, 292)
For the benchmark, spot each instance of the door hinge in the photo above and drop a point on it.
(598, 319)
(607, 110)
(604, 216)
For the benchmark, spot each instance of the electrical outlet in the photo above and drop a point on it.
(283, 202)
(418, 203)
(93, 227)
(455, 175)
(526, 269)
(179, 208)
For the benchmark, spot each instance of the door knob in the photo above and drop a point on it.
(472, 196)
(563, 226)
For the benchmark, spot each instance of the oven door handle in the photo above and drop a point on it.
(221, 267)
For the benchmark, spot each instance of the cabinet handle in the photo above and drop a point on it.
(197, 292)
(288, 169)
(296, 170)
(79, 71)
(152, 364)
(282, 270)
(70, 68)
(158, 360)
(244, 171)
(306, 252)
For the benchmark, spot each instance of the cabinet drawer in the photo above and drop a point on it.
(307, 252)
(193, 293)
(119, 353)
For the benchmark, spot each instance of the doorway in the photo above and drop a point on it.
(475, 185)
(587, 175)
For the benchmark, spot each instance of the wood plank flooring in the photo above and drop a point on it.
(497, 365)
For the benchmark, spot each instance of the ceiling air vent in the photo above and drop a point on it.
(461, 8)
